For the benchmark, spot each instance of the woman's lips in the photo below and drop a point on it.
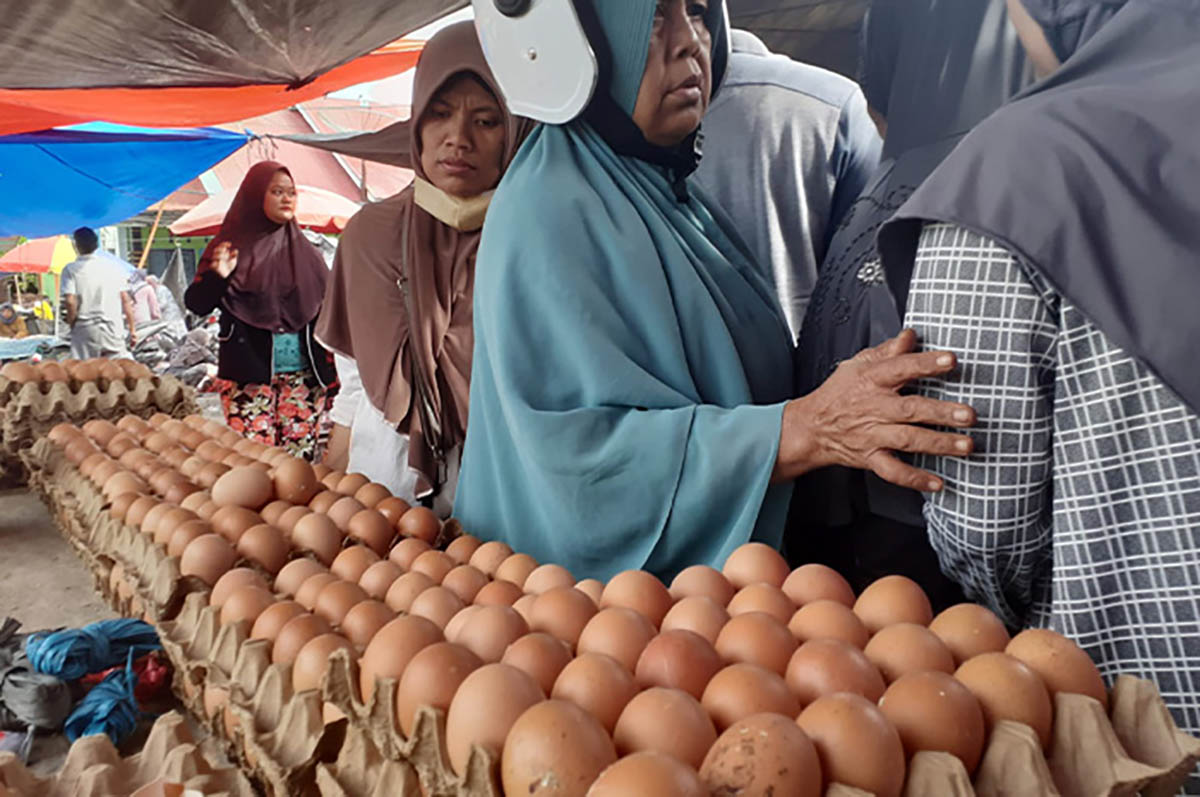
(456, 168)
(687, 90)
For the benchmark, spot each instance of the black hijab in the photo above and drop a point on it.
(1092, 178)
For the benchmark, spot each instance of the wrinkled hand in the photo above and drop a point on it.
(225, 259)
(858, 418)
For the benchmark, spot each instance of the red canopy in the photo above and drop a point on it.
(24, 110)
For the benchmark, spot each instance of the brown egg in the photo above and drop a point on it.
(667, 721)
(678, 660)
(499, 593)
(826, 666)
(392, 509)
(174, 456)
(489, 556)
(436, 604)
(88, 465)
(166, 523)
(1063, 665)
(208, 475)
(317, 533)
(295, 481)
(524, 606)
(99, 472)
(516, 569)
(970, 630)
(184, 534)
(698, 614)
(598, 684)
(212, 451)
(337, 599)
(541, 656)
(351, 483)
(293, 575)
(231, 522)
(555, 747)
(21, 372)
(891, 600)
(193, 438)
(100, 431)
(323, 471)
(77, 450)
(369, 495)
(932, 711)
(405, 589)
(364, 620)
(120, 505)
(431, 678)
(562, 612)
(310, 590)
(246, 604)
(856, 744)
(462, 548)
(905, 648)
(815, 582)
(547, 577)
(372, 529)
(265, 546)
(232, 581)
(649, 774)
(420, 523)
(162, 480)
(136, 458)
(295, 634)
(490, 631)
(179, 490)
(288, 520)
(352, 562)
(618, 632)
(702, 581)
(274, 618)
(762, 597)
(123, 482)
(207, 558)
(207, 510)
(740, 691)
(454, 628)
(593, 588)
(640, 591)
(321, 502)
(755, 562)
(828, 619)
(391, 649)
(235, 461)
(406, 551)
(465, 582)
(132, 424)
(435, 564)
(342, 510)
(60, 433)
(244, 486)
(330, 479)
(312, 662)
(763, 754)
(485, 707)
(756, 638)
(272, 511)
(377, 578)
(1007, 689)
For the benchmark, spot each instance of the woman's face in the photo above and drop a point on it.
(677, 83)
(280, 201)
(462, 138)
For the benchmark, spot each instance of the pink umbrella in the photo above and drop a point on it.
(316, 209)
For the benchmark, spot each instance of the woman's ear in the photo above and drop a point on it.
(1033, 38)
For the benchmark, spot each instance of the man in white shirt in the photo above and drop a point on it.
(95, 288)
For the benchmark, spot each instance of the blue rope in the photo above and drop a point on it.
(72, 654)
(110, 708)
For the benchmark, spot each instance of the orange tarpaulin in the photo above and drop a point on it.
(26, 110)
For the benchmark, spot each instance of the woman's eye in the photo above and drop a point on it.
(697, 9)
(486, 122)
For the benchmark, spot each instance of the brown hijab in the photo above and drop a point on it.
(280, 277)
(399, 303)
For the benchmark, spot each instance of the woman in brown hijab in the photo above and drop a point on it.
(268, 282)
(398, 311)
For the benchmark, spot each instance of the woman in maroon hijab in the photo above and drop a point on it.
(268, 281)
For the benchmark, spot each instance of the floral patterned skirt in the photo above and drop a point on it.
(292, 412)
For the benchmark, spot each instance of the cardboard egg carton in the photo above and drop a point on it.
(362, 771)
(60, 401)
(94, 768)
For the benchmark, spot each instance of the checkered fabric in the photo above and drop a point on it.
(1080, 510)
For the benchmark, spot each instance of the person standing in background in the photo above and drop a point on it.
(788, 147)
(269, 282)
(145, 303)
(94, 287)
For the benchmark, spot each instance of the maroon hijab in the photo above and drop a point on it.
(280, 278)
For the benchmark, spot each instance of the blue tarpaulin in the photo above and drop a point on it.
(96, 174)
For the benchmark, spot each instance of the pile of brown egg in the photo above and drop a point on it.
(754, 679)
(75, 372)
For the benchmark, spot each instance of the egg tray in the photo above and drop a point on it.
(94, 767)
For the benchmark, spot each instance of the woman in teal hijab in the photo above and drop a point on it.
(629, 396)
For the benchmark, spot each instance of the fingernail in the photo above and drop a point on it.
(933, 485)
(962, 415)
(963, 445)
(945, 360)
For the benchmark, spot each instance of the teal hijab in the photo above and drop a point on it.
(630, 364)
